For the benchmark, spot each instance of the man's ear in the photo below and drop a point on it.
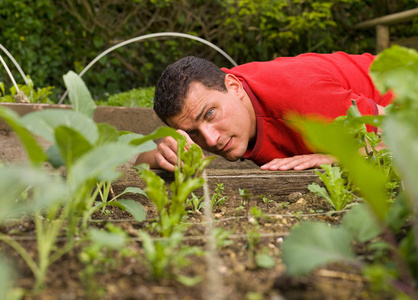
(233, 84)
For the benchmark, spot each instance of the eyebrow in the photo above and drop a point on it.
(201, 113)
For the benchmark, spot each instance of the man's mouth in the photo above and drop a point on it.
(227, 146)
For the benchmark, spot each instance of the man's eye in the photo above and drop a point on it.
(191, 132)
(209, 113)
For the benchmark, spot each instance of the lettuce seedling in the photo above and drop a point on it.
(336, 192)
(172, 210)
(165, 258)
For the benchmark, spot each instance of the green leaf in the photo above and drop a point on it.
(133, 190)
(134, 208)
(44, 123)
(264, 261)
(98, 164)
(399, 212)
(71, 144)
(160, 132)
(107, 239)
(132, 138)
(188, 281)
(54, 157)
(79, 95)
(315, 244)
(107, 133)
(35, 152)
(15, 180)
(402, 138)
(320, 191)
(396, 68)
(361, 223)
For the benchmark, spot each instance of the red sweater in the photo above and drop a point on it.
(308, 84)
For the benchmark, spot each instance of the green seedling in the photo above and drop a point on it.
(336, 192)
(267, 201)
(221, 237)
(165, 258)
(171, 211)
(104, 253)
(218, 198)
(245, 199)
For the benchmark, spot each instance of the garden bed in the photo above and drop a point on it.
(247, 228)
(237, 275)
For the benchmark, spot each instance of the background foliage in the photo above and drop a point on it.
(50, 37)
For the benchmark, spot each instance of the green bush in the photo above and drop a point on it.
(50, 37)
(134, 98)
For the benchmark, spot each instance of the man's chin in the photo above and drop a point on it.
(230, 157)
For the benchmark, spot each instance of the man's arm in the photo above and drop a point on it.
(165, 155)
(302, 162)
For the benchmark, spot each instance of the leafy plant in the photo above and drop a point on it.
(217, 199)
(336, 193)
(142, 97)
(172, 210)
(396, 257)
(99, 256)
(90, 154)
(39, 95)
(245, 198)
(165, 258)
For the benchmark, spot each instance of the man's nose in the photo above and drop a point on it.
(210, 135)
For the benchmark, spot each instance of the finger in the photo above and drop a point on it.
(275, 164)
(314, 161)
(168, 151)
(163, 163)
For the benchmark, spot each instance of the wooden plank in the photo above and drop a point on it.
(389, 19)
(278, 184)
(382, 37)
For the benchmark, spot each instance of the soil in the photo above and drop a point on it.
(236, 275)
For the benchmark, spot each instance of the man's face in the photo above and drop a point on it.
(220, 122)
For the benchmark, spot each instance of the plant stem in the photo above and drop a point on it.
(404, 271)
(22, 252)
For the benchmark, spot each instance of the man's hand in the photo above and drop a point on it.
(165, 155)
(298, 162)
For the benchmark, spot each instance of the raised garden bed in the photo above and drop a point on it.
(237, 275)
(282, 200)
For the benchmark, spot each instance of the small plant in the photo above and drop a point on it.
(218, 197)
(34, 96)
(245, 199)
(172, 210)
(165, 258)
(267, 201)
(142, 97)
(337, 193)
(261, 260)
(221, 237)
(99, 256)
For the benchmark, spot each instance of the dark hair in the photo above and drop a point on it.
(172, 87)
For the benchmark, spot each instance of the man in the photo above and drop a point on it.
(241, 112)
